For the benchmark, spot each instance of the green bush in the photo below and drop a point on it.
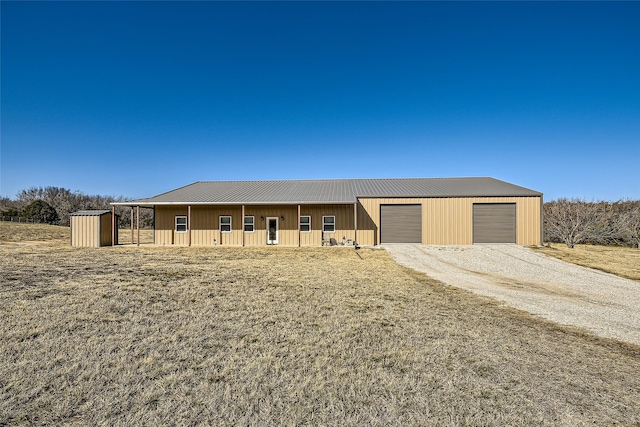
(41, 211)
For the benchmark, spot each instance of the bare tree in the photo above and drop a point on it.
(65, 201)
(61, 199)
(630, 224)
(10, 207)
(574, 221)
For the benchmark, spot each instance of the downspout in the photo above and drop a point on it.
(189, 225)
(243, 224)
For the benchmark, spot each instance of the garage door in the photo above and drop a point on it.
(494, 223)
(401, 223)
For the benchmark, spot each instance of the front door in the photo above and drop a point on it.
(272, 231)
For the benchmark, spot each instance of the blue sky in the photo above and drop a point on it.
(135, 99)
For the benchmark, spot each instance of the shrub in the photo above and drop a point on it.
(41, 211)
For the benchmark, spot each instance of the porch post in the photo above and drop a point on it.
(189, 225)
(355, 223)
(138, 222)
(113, 226)
(243, 224)
(132, 225)
(154, 224)
(299, 243)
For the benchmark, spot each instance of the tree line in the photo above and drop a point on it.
(575, 221)
(53, 205)
(568, 221)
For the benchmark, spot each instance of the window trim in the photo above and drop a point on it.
(253, 224)
(230, 224)
(186, 223)
(306, 224)
(324, 224)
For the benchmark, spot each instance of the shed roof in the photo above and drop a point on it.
(330, 191)
(90, 213)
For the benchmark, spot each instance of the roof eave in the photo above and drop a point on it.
(183, 203)
(445, 196)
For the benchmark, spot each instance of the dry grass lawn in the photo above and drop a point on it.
(23, 232)
(124, 236)
(623, 262)
(284, 336)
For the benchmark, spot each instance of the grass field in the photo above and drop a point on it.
(124, 236)
(21, 232)
(624, 262)
(284, 336)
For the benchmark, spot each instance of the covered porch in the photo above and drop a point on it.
(252, 224)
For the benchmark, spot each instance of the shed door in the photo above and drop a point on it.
(494, 223)
(401, 224)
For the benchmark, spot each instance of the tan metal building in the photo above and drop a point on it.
(92, 228)
(437, 211)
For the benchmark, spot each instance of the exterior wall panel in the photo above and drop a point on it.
(445, 221)
(205, 226)
(105, 230)
(287, 227)
(369, 217)
(85, 231)
(449, 221)
(344, 223)
(90, 230)
(165, 226)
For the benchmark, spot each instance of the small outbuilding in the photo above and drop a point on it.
(93, 228)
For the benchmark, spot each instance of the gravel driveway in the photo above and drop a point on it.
(607, 305)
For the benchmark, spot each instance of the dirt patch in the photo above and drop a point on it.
(605, 304)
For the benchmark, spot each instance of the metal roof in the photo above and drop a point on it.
(330, 191)
(90, 213)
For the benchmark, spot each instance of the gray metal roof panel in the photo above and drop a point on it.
(246, 192)
(90, 213)
(332, 191)
(439, 187)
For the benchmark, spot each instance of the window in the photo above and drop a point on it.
(329, 224)
(225, 224)
(248, 224)
(181, 224)
(305, 223)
